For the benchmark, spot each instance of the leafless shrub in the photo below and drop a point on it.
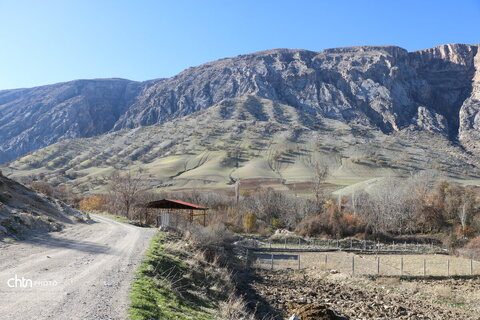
(213, 235)
(43, 187)
(388, 208)
(271, 206)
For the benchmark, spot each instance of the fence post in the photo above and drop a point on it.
(285, 245)
(353, 265)
(326, 259)
(298, 262)
(271, 266)
(351, 244)
(401, 265)
(270, 244)
(448, 268)
(424, 267)
(338, 246)
(378, 265)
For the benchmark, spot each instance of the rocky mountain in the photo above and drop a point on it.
(23, 211)
(387, 87)
(31, 119)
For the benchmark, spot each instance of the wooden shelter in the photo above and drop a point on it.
(179, 207)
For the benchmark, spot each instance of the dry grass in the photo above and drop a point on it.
(234, 308)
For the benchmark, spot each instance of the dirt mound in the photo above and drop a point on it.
(23, 210)
(314, 311)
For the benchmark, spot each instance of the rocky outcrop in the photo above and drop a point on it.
(429, 120)
(385, 87)
(469, 132)
(446, 72)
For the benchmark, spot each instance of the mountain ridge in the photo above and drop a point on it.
(383, 86)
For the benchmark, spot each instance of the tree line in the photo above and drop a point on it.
(419, 204)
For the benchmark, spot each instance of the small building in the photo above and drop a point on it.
(172, 213)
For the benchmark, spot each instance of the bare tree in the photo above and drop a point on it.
(320, 172)
(123, 190)
(465, 208)
(389, 207)
(235, 153)
(275, 161)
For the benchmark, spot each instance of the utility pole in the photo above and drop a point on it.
(237, 191)
(353, 204)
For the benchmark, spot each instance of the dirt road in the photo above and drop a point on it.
(83, 272)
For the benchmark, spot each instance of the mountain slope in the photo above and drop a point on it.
(34, 118)
(247, 138)
(384, 87)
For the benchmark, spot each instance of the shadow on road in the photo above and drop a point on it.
(49, 241)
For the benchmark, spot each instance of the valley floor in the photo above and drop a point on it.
(83, 272)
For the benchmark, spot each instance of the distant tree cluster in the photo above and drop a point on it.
(416, 205)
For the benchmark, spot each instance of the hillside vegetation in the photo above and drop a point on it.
(248, 138)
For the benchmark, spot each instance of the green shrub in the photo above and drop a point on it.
(250, 222)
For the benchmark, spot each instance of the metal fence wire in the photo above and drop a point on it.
(352, 244)
(365, 264)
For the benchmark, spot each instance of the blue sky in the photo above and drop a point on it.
(48, 41)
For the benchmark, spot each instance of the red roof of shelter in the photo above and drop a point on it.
(174, 204)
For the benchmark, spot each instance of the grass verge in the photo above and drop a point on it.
(176, 282)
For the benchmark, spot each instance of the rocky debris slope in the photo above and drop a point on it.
(382, 86)
(287, 290)
(23, 211)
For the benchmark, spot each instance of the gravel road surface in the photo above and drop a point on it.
(82, 272)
